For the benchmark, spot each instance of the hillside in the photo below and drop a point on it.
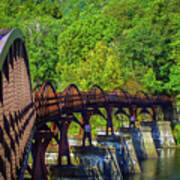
(129, 44)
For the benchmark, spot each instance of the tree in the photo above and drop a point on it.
(100, 67)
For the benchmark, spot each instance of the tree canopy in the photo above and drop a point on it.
(130, 44)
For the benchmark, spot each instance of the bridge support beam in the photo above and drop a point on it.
(133, 113)
(168, 112)
(109, 124)
(154, 109)
(42, 140)
(63, 143)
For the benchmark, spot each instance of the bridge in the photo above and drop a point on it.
(42, 113)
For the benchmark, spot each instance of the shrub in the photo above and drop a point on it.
(176, 133)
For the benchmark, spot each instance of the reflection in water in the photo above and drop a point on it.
(167, 167)
(166, 153)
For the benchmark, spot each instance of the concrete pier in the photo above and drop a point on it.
(115, 156)
(125, 153)
(162, 134)
(101, 157)
(75, 172)
(142, 141)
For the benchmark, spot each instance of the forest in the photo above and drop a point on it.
(128, 44)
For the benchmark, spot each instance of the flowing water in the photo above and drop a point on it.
(166, 167)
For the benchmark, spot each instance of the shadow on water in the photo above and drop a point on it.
(166, 167)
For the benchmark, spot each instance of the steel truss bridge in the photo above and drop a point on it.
(26, 115)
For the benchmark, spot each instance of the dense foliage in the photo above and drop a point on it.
(130, 44)
(176, 133)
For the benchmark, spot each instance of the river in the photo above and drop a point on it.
(166, 167)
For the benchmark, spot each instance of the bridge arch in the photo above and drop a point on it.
(122, 111)
(145, 112)
(72, 98)
(96, 92)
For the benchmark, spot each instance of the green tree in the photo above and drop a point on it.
(100, 67)
(82, 36)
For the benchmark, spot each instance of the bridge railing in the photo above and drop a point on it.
(46, 107)
(17, 113)
(71, 100)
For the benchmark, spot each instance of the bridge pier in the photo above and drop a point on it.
(103, 158)
(42, 139)
(161, 133)
(75, 172)
(109, 124)
(63, 143)
(125, 152)
(143, 143)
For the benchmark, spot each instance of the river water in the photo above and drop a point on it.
(166, 167)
